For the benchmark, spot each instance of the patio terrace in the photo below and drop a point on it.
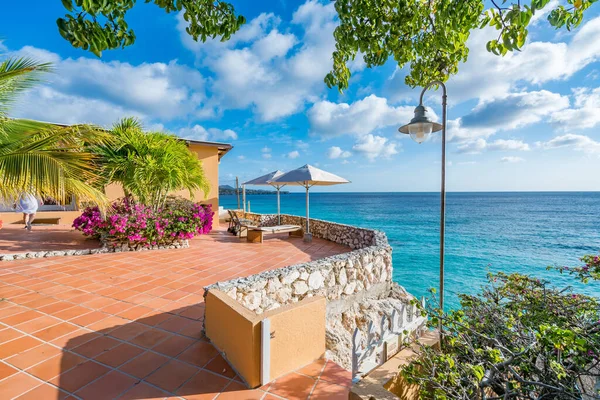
(128, 325)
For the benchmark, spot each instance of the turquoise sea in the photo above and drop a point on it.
(508, 231)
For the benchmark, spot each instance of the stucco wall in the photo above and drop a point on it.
(366, 268)
(297, 335)
(209, 156)
(236, 333)
(66, 217)
(210, 163)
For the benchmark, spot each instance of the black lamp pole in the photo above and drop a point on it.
(424, 124)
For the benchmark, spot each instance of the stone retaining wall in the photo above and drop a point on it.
(179, 244)
(367, 268)
(348, 235)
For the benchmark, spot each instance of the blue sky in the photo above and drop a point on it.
(528, 121)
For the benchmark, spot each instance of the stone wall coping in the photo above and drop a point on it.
(310, 266)
(82, 252)
(377, 233)
(381, 245)
(254, 318)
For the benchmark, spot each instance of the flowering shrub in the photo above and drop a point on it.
(137, 224)
(520, 338)
(589, 270)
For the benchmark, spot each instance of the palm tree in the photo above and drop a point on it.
(16, 76)
(150, 165)
(40, 158)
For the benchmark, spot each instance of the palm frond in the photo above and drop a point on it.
(49, 162)
(150, 165)
(17, 75)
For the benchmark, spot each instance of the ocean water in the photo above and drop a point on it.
(485, 232)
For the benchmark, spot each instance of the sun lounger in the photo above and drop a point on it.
(254, 234)
(236, 223)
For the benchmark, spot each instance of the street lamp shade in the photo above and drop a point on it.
(421, 126)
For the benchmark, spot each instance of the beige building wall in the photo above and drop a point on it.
(209, 155)
(66, 217)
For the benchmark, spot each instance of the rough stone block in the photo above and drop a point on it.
(315, 280)
(289, 278)
(252, 301)
(300, 288)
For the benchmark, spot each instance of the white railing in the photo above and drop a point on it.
(394, 332)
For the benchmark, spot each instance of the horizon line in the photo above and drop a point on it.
(434, 191)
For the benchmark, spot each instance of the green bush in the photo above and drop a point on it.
(520, 338)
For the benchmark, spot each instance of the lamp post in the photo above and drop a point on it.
(419, 129)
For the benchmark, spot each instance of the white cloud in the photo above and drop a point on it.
(249, 32)
(293, 154)
(509, 112)
(101, 92)
(301, 144)
(47, 104)
(227, 134)
(374, 147)
(336, 152)
(577, 142)
(473, 147)
(480, 145)
(543, 13)
(273, 45)
(506, 145)
(511, 159)
(359, 118)
(198, 132)
(266, 70)
(585, 113)
(487, 76)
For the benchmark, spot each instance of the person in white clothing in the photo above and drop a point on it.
(28, 204)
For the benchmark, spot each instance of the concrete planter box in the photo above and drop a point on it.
(263, 347)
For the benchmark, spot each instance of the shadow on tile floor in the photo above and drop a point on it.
(163, 355)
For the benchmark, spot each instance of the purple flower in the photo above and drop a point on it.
(131, 222)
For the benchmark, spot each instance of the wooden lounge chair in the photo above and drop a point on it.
(254, 234)
(236, 223)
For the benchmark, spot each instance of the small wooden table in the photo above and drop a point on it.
(47, 221)
(254, 234)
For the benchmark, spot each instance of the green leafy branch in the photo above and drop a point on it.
(98, 25)
(590, 270)
(429, 36)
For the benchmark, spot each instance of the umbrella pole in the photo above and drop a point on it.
(278, 206)
(307, 234)
(244, 198)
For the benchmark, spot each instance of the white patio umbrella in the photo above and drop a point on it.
(267, 180)
(309, 176)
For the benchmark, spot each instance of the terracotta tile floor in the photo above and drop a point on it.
(128, 325)
(15, 239)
